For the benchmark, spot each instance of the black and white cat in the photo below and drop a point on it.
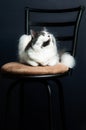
(41, 49)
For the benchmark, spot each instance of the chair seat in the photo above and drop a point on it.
(22, 69)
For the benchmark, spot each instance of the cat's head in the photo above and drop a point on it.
(41, 39)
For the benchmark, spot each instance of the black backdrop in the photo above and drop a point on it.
(11, 28)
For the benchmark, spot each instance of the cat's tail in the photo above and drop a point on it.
(68, 60)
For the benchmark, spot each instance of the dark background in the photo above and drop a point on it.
(11, 28)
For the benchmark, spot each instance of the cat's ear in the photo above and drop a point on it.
(45, 29)
(33, 33)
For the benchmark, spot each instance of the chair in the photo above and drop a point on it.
(64, 23)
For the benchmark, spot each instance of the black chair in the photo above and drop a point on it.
(64, 23)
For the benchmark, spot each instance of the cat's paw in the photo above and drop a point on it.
(53, 61)
(32, 63)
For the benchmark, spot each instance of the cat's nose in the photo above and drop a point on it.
(48, 35)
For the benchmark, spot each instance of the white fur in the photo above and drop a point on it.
(37, 54)
(46, 54)
(23, 57)
(68, 60)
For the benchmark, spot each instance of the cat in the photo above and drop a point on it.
(40, 48)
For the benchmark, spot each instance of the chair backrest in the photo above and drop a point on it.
(63, 23)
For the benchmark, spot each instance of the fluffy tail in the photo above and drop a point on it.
(68, 60)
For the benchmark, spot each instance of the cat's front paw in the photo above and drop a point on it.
(32, 63)
(53, 61)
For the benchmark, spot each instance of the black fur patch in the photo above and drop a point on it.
(29, 45)
(32, 42)
(46, 43)
(34, 39)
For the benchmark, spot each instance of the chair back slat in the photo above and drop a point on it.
(53, 10)
(53, 24)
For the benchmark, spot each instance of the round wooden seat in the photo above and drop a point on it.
(22, 69)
